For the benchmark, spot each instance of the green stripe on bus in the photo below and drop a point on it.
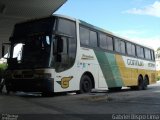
(109, 67)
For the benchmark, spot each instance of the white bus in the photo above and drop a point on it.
(62, 54)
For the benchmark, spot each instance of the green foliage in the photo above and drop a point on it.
(158, 49)
(2, 68)
(158, 78)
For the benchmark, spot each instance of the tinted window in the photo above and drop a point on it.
(147, 53)
(109, 43)
(84, 36)
(133, 50)
(123, 48)
(140, 51)
(130, 49)
(44, 25)
(69, 44)
(106, 42)
(117, 45)
(103, 42)
(67, 27)
(93, 39)
(152, 55)
(120, 46)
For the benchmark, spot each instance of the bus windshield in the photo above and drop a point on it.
(31, 44)
(38, 46)
(33, 52)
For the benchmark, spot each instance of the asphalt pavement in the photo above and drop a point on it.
(126, 104)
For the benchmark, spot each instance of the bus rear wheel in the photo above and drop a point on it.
(145, 83)
(140, 83)
(85, 84)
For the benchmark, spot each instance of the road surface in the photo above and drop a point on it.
(97, 105)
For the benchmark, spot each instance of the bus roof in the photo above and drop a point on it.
(93, 27)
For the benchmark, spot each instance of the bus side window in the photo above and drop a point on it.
(109, 43)
(147, 54)
(133, 50)
(140, 51)
(130, 49)
(103, 41)
(68, 55)
(152, 55)
(117, 45)
(93, 38)
(84, 36)
(122, 47)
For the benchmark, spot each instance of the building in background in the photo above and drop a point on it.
(157, 53)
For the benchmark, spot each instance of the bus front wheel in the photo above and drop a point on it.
(85, 84)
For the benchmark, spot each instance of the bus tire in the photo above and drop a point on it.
(145, 83)
(140, 83)
(85, 84)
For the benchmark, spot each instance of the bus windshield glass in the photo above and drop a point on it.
(30, 28)
(33, 53)
(31, 44)
(38, 46)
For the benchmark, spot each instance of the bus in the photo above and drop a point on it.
(63, 54)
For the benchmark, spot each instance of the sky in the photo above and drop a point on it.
(137, 20)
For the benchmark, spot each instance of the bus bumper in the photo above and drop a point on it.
(30, 85)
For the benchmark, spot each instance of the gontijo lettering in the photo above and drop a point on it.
(135, 62)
